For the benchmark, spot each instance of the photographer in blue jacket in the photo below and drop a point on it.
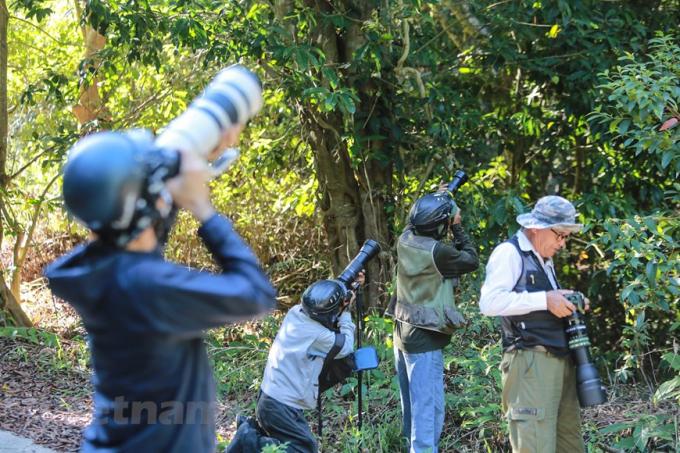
(145, 317)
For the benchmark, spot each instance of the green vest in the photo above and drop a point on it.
(424, 298)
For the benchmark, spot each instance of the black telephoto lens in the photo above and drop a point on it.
(590, 390)
(459, 178)
(367, 252)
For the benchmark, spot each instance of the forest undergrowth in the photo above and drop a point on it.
(46, 393)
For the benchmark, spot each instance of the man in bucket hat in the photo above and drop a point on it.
(539, 381)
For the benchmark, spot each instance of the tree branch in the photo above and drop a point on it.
(39, 29)
(30, 162)
(22, 246)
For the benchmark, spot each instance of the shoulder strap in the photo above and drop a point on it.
(337, 346)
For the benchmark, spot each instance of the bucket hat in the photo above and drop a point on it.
(551, 211)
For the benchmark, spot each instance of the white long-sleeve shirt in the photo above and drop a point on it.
(295, 359)
(502, 273)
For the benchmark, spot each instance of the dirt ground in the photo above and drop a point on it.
(49, 406)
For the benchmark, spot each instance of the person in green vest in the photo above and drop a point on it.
(432, 253)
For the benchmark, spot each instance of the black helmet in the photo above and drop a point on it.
(321, 301)
(105, 185)
(429, 214)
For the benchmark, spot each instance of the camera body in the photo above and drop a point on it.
(590, 390)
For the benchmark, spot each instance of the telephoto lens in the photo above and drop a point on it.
(367, 252)
(590, 390)
(232, 98)
(459, 178)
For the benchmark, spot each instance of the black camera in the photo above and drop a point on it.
(367, 252)
(591, 392)
(459, 178)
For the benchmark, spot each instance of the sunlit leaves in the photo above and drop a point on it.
(641, 95)
(646, 261)
(554, 31)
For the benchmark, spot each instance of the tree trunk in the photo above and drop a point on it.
(7, 302)
(4, 19)
(24, 241)
(375, 187)
(350, 200)
(338, 191)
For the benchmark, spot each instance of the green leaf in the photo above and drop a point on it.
(650, 223)
(623, 126)
(347, 104)
(615, 427)
(329, 102)
(626, 444)
(651, 271)
(673, 360)
(666, 158)
(625, 294)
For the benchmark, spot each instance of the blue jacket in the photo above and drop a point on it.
(145, 319)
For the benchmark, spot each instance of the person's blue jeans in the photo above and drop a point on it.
(421, 385)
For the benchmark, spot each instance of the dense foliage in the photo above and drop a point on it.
(368, 105)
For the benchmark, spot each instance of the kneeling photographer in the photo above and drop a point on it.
(145, 317)
(296, 358)
(311, 353)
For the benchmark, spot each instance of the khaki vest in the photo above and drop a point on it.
(424, 298)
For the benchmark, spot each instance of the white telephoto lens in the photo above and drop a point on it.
(233, 97)
(247, 82)
(194, 131)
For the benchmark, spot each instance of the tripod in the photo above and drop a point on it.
(359, 307)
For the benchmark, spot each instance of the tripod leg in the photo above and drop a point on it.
(359, 402)
(318, 414)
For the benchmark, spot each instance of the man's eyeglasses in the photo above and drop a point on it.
(560, 236)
